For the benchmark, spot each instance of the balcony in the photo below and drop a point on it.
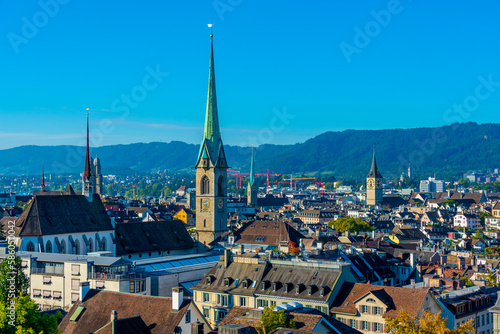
(116, 277)
(48, 271)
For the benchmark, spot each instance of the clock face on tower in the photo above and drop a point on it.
(220, 204)
(205, 204)
(370, 183)
(378, 183)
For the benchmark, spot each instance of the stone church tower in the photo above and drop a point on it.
(374, 193)
(211, 171)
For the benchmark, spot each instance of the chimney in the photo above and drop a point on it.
(84, 289)
(413, 260)
(242, 249)
(227, 258)
(197, 328)
(114, 316)
(177, 298)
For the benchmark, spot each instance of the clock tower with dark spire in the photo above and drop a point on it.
(211, 171)
(374, 193)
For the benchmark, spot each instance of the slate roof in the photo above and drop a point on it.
(271, 201)
(395, 298)
(60, 214)
(163, 235)
(156, 312)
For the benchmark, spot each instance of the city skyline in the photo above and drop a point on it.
(142, 70)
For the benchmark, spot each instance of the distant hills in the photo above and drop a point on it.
(447, 151)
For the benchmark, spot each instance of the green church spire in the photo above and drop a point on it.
(252, 171)
(211, 145)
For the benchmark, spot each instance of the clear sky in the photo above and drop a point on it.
(286, 71)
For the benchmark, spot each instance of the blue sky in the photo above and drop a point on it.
(286, 71)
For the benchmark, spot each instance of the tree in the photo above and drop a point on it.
(13, 281)
(23, 317)
(429, 323)
(349, 223)
(272, 320)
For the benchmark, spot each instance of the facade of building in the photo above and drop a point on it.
(432, 185)
(374, 183)
(465, 221)
(316, 216)
(211, 172)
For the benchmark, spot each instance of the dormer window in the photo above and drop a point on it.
(245, 284)
(287, 287)
(323, 291)
(228, 281)
(299, 288)
(311, 289)
(209, 279)
(276, 285)
(265, 285)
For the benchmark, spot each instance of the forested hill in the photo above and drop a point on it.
(446, 151)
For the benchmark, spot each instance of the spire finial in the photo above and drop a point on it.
(211, 32)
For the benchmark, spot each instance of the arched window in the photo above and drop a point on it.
(204, 223)
(77, 247)
(220, 186)
(91, 246)
(30, 247)
(103, 244)
(205, 185)
(48, 247)
(63, 247)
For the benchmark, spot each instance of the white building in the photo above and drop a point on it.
(432, 185)
(464, 220)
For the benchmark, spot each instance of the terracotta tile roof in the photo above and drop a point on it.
(396, 298)
(59, 214)
(152, 236)
(154, 311)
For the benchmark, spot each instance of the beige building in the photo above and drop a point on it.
(365, 307)
(55, 278)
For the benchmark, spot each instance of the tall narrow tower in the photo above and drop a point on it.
(211, 170)
(252, 187)
(87, 189)
(97, 177)
(42, 186)
(374, 194)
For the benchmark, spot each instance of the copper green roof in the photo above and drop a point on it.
(211, 144)
(252, 171)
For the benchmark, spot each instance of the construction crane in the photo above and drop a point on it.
(291, 179)
(322, 184)
(239, 176)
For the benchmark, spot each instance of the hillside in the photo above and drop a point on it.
(447, 151)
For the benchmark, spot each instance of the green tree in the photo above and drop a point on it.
(21, 316)
(13, 281)
(349, 223)
(272, 320)
(429, 323)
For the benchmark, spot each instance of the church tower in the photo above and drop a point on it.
(211, 170)
(252, 187)
(87, 189)
(374, 194)
(97, 177)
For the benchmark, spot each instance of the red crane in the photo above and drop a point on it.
(239, 176)
(322, 184)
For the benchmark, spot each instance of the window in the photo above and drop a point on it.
(75, 269)
(188, 316)
(30, 247)
(377, 310)
(262, 303)
(48, 247)
(37, 292)
(487, 319)
(206, 312)
(104, 244)
(63, 247)
(245, 284)
(75, 284)
(77, 247)
(57, 295)
(47, 279)
(74, 297)
(221, 315)
(204, 223)
(364, 309)
(91, 246)
(46, 293)
(243, 301)
(482, 320)
(376, 327)
(220, 186)
(353, 323)
(205, 185)
(364, 325)
(132, 286)
(206, 297)
(370, 300)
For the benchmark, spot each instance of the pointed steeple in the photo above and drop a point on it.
(374, 170)
(43, 179)
(252, 172)
(86, 172)
(211, 144)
